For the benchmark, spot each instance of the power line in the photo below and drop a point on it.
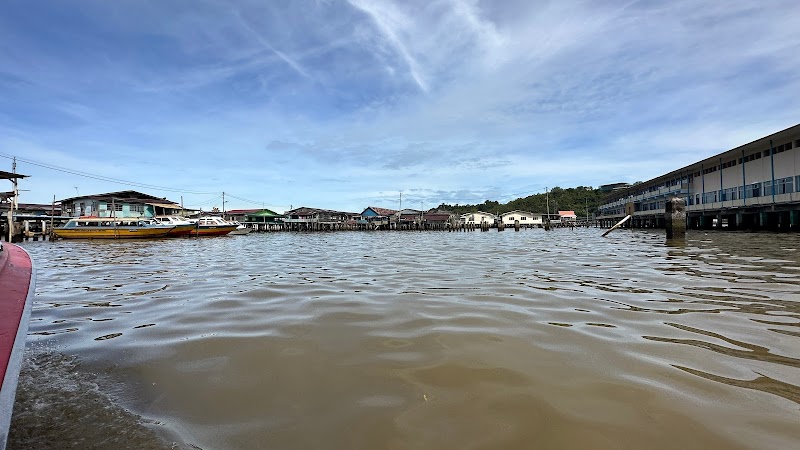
(245, 200)
(104, 178)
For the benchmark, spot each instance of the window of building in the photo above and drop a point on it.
(755, 190)
(766, 188)
(137, 208)
(117, 206)
(784, 186)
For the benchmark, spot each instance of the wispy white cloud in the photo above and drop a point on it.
(343, 104)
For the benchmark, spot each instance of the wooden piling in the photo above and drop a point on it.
(675, 217)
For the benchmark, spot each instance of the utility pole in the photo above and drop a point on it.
(547, 199)
(223, 205)
(11, 229)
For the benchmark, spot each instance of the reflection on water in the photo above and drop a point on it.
(416, 340)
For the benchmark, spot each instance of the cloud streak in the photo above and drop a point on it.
(342, 104)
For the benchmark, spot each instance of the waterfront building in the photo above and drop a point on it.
(525, 219)
(408, 218)
(122, 204)
(436, 220)
(309, 219)
(259, 215)
(567, 216)
(477, 218)
(264, 215)
(378, 217)
(751, 186)
(10, 201)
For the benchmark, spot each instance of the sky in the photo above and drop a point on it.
(348, 104)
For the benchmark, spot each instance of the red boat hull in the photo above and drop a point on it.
(17, 279)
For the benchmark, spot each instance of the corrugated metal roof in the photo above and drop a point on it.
(164, 205)
(381, 211)
(263, 213)
(126, 196)
(10, 175)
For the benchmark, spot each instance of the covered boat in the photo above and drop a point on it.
(212, 226)
(111, 228)
(183, 227)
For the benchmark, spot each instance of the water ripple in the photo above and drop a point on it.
(432, 340)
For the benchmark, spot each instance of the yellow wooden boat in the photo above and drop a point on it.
(111, 228)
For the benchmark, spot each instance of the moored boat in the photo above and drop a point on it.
(240, 229)
(17, 286)
(212, 226)
(111, 228)
(183, 227)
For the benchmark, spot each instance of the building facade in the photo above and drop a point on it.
(477, 218)
(525, 219)
(122, 204)
(751, 186)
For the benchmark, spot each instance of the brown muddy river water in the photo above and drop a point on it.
(415, 340)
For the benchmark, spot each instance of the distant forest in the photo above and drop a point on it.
(579, 199)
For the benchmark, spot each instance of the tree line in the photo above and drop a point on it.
(584, 200)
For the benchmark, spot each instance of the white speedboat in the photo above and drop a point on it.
(240, 229)
(182, 226)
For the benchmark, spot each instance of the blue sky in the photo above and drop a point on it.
(345, 104)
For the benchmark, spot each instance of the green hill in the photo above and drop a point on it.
(579, 199)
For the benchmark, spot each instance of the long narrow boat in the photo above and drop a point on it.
(182, 226)
(212, 226)
(17, 283)
(110, 228)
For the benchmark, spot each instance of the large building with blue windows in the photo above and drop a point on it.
(755, 185)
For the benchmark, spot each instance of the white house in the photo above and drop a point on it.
(567, 216)
(525, 219)
(477, 218)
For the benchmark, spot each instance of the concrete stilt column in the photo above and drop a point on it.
(675, 218)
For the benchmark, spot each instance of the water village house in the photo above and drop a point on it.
(308, 219)
(121, 204)
(436, 220)
(525, 219)
(407, 218)
(477, 218)
(567, 216)
(378, 217)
